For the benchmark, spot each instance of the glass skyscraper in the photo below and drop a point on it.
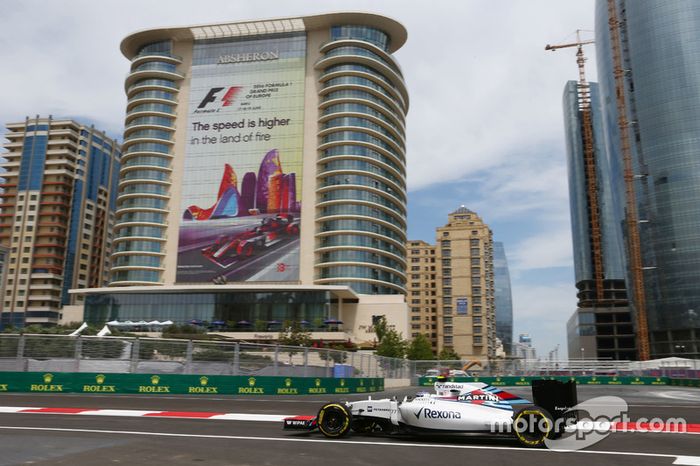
(601, 324)
(661, 56)
(503, 297)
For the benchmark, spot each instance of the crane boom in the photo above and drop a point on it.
(589, 162)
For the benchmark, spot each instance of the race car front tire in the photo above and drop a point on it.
(532, 426)
(334, 420)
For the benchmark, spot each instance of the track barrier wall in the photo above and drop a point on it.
(581, 380)
(175, 384)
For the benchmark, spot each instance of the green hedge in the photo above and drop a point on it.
(83, 382)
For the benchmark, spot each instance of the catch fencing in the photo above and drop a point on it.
(61, 353)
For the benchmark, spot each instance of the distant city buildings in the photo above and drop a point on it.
(451, 287)
(503, 298)
(602, 322)
(56, 214)
(523, 348)
(659, 69)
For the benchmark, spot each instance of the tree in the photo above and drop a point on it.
(392, 345)
(380, 328)
(294, 336)
(448, 354)
(338, 353)
(420, 348)
(390, 342)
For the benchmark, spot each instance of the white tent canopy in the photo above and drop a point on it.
(140, 323)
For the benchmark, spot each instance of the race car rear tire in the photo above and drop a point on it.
(334, 420)
(532, 426)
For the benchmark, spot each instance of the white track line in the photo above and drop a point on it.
(678, 459)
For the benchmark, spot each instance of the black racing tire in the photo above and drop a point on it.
(532, 426)
(334, 420)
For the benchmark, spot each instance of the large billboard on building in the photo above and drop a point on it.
(241, 189)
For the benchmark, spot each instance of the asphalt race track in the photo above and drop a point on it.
(92, 439)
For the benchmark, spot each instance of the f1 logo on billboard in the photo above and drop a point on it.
(214, 97)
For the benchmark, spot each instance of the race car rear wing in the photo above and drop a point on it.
(556, 397)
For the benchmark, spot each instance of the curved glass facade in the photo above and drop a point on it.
(257, 308)
(353, 161)
(146, 144)
(359, 170)
(662, 54)
(612, 251)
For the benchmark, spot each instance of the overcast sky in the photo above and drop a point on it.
(484, 128)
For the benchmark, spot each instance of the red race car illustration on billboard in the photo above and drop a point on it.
(228, 249)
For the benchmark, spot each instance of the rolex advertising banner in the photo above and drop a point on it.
(177, 384)
(241, 187)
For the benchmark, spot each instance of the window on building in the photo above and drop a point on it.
(476, 319)
(474, 251)
(476, 290)
(447, 310)
(477, 329)
(477, 339)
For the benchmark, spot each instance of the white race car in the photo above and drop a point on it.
(453, 408)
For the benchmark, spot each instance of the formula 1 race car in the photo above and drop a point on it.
(228, 248)
(453, 408)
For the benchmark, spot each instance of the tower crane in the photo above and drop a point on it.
(589, 159)
(632, 221)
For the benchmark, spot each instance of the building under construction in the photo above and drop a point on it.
(649, 74)
(601, 327)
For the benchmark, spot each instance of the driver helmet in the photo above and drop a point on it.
(441, 379)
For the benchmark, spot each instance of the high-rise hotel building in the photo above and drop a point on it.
(56, 213)
(263, 174)
(451, 287)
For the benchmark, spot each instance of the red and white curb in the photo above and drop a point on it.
(140, 413)
(644, 427)
(601, 427)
